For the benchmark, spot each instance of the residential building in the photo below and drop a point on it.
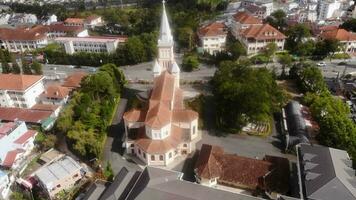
(298, 126)
(18, 90)
(268, 4)
(22, 39)
(328, 9)
(73, 81)
(258, 36)
(74, 22)
(325, 173)
(257, 11)
(346, 38)
(213, 37)
(59, 29)
(157, 183)
(59, 175)
(56, 95)
(16, 143)
(215, 167)
(242, 21)
(44, 118)
(94, 44)
(93, 21)
(163, 129)
(4, 185)
(22, 18)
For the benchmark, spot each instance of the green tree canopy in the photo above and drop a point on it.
(190, 62)
(15, 67)
(37, 68)
(349, 25)
(296, 34)
(278, 20)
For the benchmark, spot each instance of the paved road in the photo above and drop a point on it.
(113, 150)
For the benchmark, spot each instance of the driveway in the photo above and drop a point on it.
(113, 150)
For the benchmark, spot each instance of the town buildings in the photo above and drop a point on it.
(267, 4)
(328, 9)
(346, 38)
(157, 183)
(4, 185)
(163, 129)
(95, 44)
(16, 143)
(55, 94)
(325, 173)
(215, 167)
(59, 29)
(59, 175)
(21, 91)
(213, 37)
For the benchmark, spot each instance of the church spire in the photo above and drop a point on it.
(165, 33)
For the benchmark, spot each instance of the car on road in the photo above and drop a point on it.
(321, 64)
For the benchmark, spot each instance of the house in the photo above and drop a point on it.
(346, 38)
(257, 11)
(16, 143)
(329, 9)
(93, 21)
(325, 173)
(55, 95)
(59, 175)
(94, 44)
(242, 21)
(73, 81)
(43, 118)
(5, 185)
(298, 125)
(256, 37)
(213, 37)
(74, 22)
(268, 4)
(19, 90)
(215, 167)
(59, 29)
(22, 39)
(157, 183)
(163, 129)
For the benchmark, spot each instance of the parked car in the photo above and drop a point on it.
(321, 64)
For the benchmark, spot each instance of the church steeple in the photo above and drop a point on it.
(165, 33)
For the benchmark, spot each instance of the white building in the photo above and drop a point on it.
(93, 21)
(59, 175)
(18, 90)
(257, 37)
(55, 95)
(16, 143)
(93, 44)
(165, 130)
(242, 21)
(4, 185)
(268, 4)
(22, 39)
(213, 37)
(329, 9)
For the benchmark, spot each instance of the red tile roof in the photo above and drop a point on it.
(35, 33)
(5, 128)
(11, 157)
(91, 18)
(45, 107)
(135, 115)
(184, 115)
(262, 32)
(213, 29)
(73, 81)
(74, 21)
(56, 91)
(246, 18)
(23, 138)
(339, 34)
(26, 115)
(160, 146)
(61, 27)
(231, 169)
(18, 82)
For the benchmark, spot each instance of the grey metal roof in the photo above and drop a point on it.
(160, 184)
(326, 173)
(95, 190)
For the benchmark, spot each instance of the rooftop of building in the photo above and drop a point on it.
(24, 34)
(93, 39)
(246, 18)
(74, 21)
(73, 80)
(18, 82)
(23, 114)
(56, 91)
(213, 29)
(61, 27)
(326, 173)
(262, 32)
(338, 34)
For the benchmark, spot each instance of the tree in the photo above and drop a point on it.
(209, 4)
(270, 50)
(278, 20)
(6, 69)
(309, 77)
(327, 47)
(190, 62)
(134, 50)
(15, 67)
(296, 34)
(45, 141)
(185, 38)
(108, 172)
(349, 25)
(254, 90)
(37, 68)
(234, 47)
(285, 60)
(26, 68)
(17, 196)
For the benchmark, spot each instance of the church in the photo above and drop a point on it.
(162, 130)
